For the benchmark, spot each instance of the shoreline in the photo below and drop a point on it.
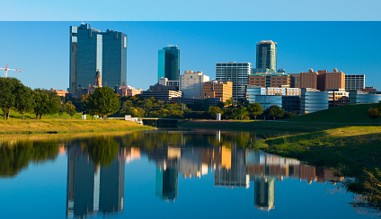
(66, 126)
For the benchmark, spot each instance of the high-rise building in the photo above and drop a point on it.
(354, 82)
(236, 73)
(308, 79)
(92, 50)
(169, 63)
(191, 84)
(330, 80)
(266, 55)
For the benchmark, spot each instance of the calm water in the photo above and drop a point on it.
(165, 175)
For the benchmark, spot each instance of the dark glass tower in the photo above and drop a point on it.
(92, 50)
(266, 55)
(169, 63)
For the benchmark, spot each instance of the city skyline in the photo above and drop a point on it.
(202, 45)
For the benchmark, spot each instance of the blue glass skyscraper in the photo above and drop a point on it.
(92, 50)
(169, 63)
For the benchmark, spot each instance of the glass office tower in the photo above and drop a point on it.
(169, 63)
(92, 50)
(266, 55)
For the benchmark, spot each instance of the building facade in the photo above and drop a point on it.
(354, 82)
(236, 73)
(266, 55)
(308, 79)
(271, 80)
(127, 91)
(169, 63)
(162, 92)
(312, 100)
(191, 84)
(357, 97)
(334, 80)
(217, 89)
(92, 50)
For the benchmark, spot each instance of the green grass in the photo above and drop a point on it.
(349, 151)
(56, 123)
(349, 114)
(51, 125)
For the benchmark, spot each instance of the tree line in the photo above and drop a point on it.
(104, 102)
(15, 95)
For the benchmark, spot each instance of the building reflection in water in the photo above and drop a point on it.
(91, 188)
(94, 189)
(232, 166)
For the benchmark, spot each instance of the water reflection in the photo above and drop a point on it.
(96, 167)
(95, 179)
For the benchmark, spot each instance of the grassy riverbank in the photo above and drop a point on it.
(350, 115)
(355, 146)
(33, 126)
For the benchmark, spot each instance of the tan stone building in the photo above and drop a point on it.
(128, 91)
(217, 89)
(308, 79)
(331, 80)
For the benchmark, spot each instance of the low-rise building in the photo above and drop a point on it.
(338, 97)
(161, 92)
(312, 100)
(356, 97)
(128, 91)
(217, 89)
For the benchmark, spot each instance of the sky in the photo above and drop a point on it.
(41, 49)
(200, 10)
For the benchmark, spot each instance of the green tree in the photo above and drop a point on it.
(275, 112)
(8, 94)
(228, 102)
(213, 110)
(240, 113)
(373, 113)
(254, 110)
(103, 102)
(70, 109)
(24, 101)
(45, 102)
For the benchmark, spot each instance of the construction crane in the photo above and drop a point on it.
(6, 69)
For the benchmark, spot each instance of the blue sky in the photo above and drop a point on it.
(41, 49)
(216, 10)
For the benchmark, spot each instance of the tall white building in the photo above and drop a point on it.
(191, 84)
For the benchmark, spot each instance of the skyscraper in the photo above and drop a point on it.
(169, 63)
(92, 50)
(236, 73)
(266, 55)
